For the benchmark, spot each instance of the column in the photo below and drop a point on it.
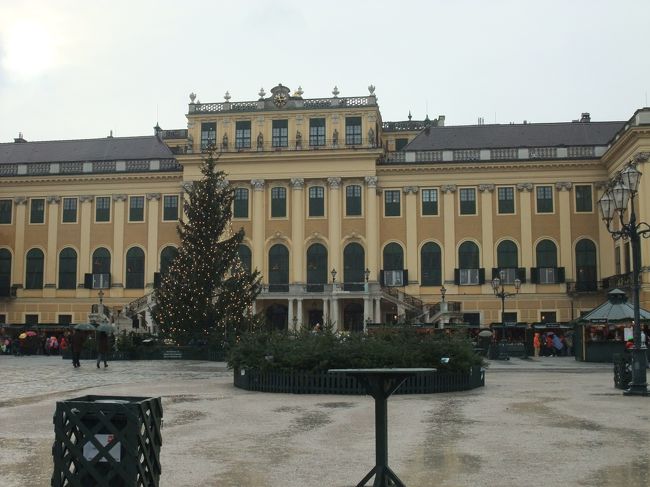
(372, 228)
(606, 258)
(19, 245)
(449, 224)
(85, 212)
(290, 324)
(334, 224)
(377, 318)
(564, 210)
(117, 259)
(299, 313)
(335, 314)
(152, 238)
(52, 237)
(525, 219)
(298, 229)
(258, 220)
(487, 234)
(411, 215)
(326, 311)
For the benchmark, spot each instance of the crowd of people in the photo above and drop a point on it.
(552, 344)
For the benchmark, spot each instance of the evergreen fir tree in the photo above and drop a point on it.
(207, 295)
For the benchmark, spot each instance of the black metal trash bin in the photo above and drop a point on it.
(110, 441)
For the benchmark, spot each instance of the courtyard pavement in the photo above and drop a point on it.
(549, 421)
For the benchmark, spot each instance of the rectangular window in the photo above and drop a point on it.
(65, 319)
(316, 201)
(400, 143)
(170, 207)
(548, 316)
(584, 203)
(280, 133)
(468, 277)
(243, 134)
(278, 202)
(136, 208)
(544, 199)
(240, 205)
(103, 209)
(6, 209)
(547, 275)
(509, 317)
(37, 210)
(69, 210)
(353, 200)
(392, 203)
(31, 319)
(353, 130)
(467, 201)
(208, 135)
(429, 201)
(506, 200)
(316, 132)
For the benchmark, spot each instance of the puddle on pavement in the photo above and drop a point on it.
(288, 409)
(309, 421)
(335, 405)
(552, 417)
(633, 474)
(181, 398)
(185, 417)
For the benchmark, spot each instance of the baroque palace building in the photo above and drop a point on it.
(350, 219)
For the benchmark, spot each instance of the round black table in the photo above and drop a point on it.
(380, 384)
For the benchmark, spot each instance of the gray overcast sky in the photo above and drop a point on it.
(78, 68)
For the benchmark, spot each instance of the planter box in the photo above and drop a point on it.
(301, 382)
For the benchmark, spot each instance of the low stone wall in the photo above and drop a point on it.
(300, 382)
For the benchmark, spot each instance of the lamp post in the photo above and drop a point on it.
(501, 293)
(621, 192)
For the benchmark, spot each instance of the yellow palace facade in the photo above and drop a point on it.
(350, 219)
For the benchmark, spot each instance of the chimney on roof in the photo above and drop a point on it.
(19, 139)
(441, 120)
(585, 117)
(157, 131)
(110, 135)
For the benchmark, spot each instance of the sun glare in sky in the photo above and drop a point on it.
(29, 49)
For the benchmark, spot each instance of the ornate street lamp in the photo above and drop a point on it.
(366, 273)
(443, 291)
(501, 293)
(333, 272)
(622, 190)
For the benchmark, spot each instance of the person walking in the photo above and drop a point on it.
(102, 348)
(77, 345)
(537, 344)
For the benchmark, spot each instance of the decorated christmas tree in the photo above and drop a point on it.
(206, 295)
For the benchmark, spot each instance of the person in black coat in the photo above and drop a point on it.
(102, 348)
(78, 339)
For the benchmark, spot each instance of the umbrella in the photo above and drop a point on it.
(30, 333)
(22, 336)
(485, 333)
(106, 327)
(84, 327)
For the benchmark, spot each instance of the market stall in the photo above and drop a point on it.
(604, 331)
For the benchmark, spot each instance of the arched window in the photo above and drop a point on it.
(5, 272)
(468, 256)
(586, 269)
(393, 257)
(34, 269)
(245, 257)
(507, 262)
(469, 271)
(101, 261)
(167, 255)
(354, 262)
(430, 265)
(279, 268)
(316, 267)
(67, 268)
(546, 254)
(135, 268)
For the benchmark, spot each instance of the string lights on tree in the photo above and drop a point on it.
(206, 296)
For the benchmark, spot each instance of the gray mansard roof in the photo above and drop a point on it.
(515, 135)
(86, 150)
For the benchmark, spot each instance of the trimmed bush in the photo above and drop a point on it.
(315, 352)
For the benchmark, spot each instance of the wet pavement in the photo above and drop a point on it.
(548, 421)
